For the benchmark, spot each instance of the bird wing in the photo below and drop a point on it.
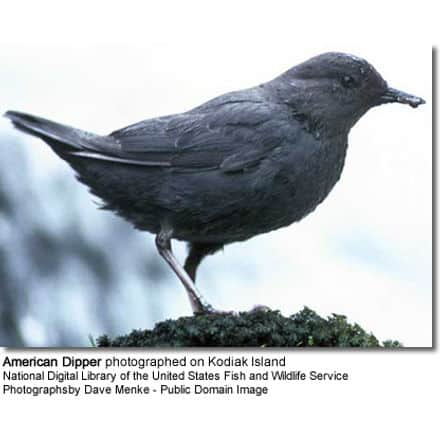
(231, 136)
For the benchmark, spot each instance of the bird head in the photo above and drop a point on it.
(337, 89)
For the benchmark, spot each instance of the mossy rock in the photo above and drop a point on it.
(251, 329)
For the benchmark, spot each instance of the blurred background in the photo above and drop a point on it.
(68, 270)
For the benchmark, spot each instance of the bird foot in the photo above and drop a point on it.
(207, 309)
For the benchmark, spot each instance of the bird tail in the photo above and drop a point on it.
(58, 136)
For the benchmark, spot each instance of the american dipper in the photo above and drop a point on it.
(242, 164)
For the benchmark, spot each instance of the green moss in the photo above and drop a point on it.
(251, 329)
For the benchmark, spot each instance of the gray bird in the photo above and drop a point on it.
(242, 164)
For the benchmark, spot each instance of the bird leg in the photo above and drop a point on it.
(163, 244)
(197, 252)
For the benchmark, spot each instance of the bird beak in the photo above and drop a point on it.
(394, 95)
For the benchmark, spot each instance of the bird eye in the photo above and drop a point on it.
(348, 81)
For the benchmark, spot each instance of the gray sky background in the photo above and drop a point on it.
(365, 252)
